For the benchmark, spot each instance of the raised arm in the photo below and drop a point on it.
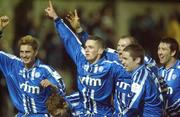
(5, 58)
(4, 21)
(75, 23)
(70, 40)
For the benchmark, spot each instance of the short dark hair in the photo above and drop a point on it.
(29, 40)
(135, 51)
(101, 41)
(174, 46)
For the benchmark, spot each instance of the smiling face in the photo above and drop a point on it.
(165, 54)
(28, 49)
(28, 55)
(93, 51)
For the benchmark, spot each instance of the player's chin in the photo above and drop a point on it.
(88, 58)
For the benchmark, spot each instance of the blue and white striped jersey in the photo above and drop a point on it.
(95, 81)
(112, 54)
(24, 85)
(172, 78)
(73, 101)
(138, 95)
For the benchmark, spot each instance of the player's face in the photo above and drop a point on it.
(92, 51)
(28, 55)
(122, 43)
(164, 53)
(128, 62)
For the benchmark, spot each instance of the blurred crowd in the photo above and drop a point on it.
(102, 23)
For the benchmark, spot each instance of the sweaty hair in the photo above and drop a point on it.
(131, 38)
(136, 51)
(100, 41)
(173, 44)
(29, 40)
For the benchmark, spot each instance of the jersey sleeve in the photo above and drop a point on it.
(83, 36)
(119, 72)
(55, 78)
(6, 61)
(145, 95)
(70, 40)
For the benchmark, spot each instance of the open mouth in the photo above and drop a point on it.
(161, 57)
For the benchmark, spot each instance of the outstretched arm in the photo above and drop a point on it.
(67, 36)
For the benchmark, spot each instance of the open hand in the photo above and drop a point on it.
(73, 19)
(4, 21)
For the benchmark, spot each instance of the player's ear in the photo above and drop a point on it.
(100, 51)
(36, 52)
(138, 60)
(173, 53)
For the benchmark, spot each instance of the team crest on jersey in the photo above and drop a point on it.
(135, 87)
(21, 72)
(101, 68)
(174, 76)
(37, 75)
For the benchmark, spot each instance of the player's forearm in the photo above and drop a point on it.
(70, 40)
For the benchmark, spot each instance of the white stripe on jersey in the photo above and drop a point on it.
(24, 104)
(10, 56)
(33, 73)
(24, 72)
(33, 105)
(175, 106)
(119, 107)
(139, 91)
(94, 103)
(135, 77)
(107, 61)
(53, 73)
(110, 50)
(73, 95)
(84, 96)
(123, 98)
(170, 75)
(82, 49)
(139, 78)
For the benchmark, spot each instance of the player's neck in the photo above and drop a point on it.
(30, 65)
(95, 60)
(171, 62)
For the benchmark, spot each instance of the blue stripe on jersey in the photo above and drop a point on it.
(24, 84)
(172, 78)
(140, 89)
(93, 79)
